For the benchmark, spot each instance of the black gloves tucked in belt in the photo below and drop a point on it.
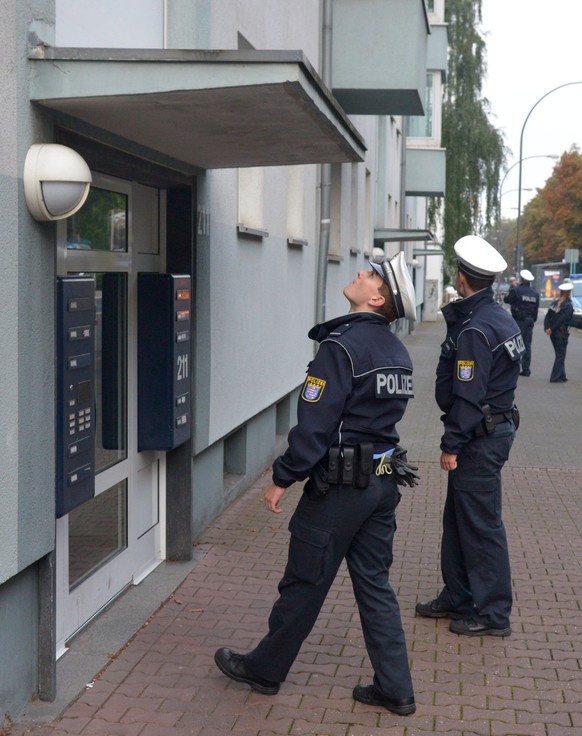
(404, 473)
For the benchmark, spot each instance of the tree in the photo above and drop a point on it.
(475, 149)
(552, 220)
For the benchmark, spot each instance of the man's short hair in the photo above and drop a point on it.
(476, 284)
(387, 310)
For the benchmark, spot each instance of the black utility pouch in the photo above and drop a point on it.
(333, 466)
(348, 466)
(318, 481)
(515, 417)
(489, 424)
(364, 464)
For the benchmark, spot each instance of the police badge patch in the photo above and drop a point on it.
(465, 370)
(312, 389)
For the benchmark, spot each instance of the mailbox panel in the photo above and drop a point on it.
(75, 411)
(164, 336)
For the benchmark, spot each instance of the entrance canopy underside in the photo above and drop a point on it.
(219, 109)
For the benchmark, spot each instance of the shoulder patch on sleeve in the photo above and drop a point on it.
(312, 389)
(465, 370)
(515, 347)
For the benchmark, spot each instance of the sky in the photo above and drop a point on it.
(533, 46)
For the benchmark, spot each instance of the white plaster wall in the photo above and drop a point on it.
(8, 296)
(26, 323)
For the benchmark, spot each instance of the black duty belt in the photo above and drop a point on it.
(486, 426)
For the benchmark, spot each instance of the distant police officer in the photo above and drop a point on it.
(476, 378)
(524, 301)
(556, 323)
(345, 441)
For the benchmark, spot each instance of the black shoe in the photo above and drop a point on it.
(525, 373)
(431, 609)
(370, 696)
(233, 665)
(468, 627)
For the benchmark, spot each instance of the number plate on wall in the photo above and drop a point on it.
(164, 337)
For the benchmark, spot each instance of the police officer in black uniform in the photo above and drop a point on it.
(556, 323)
(346, 444)
(477, 374)
(524, 301)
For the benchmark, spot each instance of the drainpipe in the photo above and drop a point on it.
(403, 325)
(325, 174)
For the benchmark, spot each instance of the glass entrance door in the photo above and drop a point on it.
(116, 538)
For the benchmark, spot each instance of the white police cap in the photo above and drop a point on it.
(566, 286)
(476, 257)
(526, 275)
(396, 275)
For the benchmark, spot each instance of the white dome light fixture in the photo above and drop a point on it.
(56, 181)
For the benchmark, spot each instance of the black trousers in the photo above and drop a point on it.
(358, 526)
(474, 553)
(526, 326)
(560, 345)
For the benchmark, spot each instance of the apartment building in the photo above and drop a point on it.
(186, 185)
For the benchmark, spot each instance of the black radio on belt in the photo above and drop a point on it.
(351, 465)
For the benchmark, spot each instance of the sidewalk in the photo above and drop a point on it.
(165, 683)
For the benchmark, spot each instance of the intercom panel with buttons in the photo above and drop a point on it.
(75, 411)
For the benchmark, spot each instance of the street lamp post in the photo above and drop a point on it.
(518, 245)
(536, 155)
(502, 194)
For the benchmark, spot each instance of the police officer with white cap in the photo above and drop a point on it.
(556, 323)
(477, 374)
(346, 443)
(524, 301)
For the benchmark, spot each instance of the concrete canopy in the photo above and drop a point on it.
(394, 235)
(210, 109)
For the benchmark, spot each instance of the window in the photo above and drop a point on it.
(425, 130)
(100, 224)
(251, 190)
(295, 204)
(420, 126)
(97, 532)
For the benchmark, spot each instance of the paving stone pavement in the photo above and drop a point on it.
(164, 681)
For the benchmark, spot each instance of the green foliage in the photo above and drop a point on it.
(475, 149)
(552, 220)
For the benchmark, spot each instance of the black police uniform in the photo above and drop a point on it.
(356, 391)
(558, 321)
(524, 301)
(478, 367)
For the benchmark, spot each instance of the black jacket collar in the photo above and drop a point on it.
(322, 330)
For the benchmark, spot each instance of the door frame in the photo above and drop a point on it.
(77, 607)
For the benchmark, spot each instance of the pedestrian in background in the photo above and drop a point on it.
(477, 374)
(556, 323)
(346, 442)
(524, 302)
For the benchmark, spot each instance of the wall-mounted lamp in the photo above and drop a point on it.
(56, 181)
(378, 255)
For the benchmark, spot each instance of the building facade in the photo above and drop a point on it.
(245, 160)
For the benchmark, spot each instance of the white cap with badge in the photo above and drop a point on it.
(396, 275)
(478, 258)
(566, 286)
(526, 275)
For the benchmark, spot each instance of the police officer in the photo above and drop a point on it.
(556, 323)
(355, 392)
(476, 378)
(524, 301)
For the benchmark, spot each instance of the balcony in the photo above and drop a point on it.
(379, 56)
(425, 172)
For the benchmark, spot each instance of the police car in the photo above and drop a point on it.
(576, 320)
(576, 296)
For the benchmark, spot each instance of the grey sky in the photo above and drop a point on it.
(533, 46)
